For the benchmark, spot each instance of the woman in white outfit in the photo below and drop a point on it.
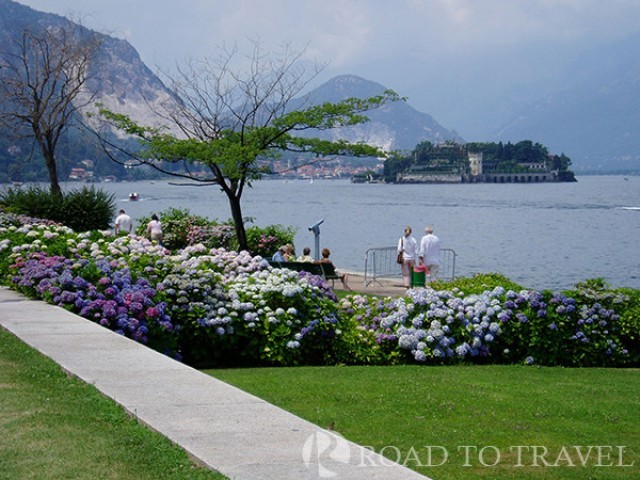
(154, 229)
(408, 246)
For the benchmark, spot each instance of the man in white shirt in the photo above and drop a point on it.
(430, 251)
(123, 224)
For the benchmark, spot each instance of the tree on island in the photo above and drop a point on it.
(42, 86)
(227, 119)
(497, 157)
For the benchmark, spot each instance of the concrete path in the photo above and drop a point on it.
(220, 426)
(385, 287)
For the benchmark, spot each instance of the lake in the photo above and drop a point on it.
(548, 235)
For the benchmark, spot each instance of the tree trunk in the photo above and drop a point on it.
(50, 161)
(236, 214)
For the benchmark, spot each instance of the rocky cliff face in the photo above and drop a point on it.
(395, 126)
(122, 83)
(118, 79)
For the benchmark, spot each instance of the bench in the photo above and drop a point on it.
(329, 272)
(324, 270)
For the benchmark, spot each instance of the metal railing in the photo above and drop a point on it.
(381, 263)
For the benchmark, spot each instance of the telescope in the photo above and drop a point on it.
(315, 228)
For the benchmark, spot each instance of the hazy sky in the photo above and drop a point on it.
(416, 47)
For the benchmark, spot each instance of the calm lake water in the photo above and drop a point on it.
(539, 235)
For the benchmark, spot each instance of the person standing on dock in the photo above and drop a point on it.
(430, 251)
(407, 246)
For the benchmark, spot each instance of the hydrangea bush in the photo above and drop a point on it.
(213, 306)
(182, 228)
(505, 326)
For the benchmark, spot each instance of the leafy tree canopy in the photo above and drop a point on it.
(229, 120)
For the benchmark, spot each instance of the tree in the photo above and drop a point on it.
(228, 120)
(42, 86)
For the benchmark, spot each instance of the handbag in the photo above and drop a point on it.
(400, 258)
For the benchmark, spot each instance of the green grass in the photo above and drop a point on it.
(58, 427)
(54, 426)
(407, 408)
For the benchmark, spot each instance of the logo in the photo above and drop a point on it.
(324, 449)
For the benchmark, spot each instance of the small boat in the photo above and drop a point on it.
(134, 197)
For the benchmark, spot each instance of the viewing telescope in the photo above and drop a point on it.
(315, 228)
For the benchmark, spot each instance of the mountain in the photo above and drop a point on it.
(121, 82)
(594, 119)
(118, 78)
(395, 126)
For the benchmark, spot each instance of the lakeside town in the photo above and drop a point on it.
(524, 162)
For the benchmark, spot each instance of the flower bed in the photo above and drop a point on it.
(210, 306)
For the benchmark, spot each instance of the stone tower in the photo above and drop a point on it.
(475, 164)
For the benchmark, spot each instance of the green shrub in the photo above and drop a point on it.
(87, 209)
(82, 210)
(177, 227)
(33, 201)
(181, 229)
(478, 283)
(265, 241)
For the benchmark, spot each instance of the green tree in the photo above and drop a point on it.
(422, 151)
(560, 162)
(228, 119)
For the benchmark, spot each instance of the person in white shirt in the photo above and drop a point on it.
(407, 245)
(154, 229)
(306, 255)
(123, 224)
(430, 252)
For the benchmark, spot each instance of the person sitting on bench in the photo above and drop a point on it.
(344, 277)
(279, 256)
(306, 255)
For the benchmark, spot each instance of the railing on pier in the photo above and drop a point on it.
(381, 263)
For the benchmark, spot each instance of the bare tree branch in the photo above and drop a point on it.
(235, 112)
(43, 86)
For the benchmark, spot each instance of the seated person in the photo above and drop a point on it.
(306, 255)
(279, 256)
(289, 254)
(343, 276)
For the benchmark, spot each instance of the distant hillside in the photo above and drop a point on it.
(118, 78)
(595, 119)
(120, 81)
(396, 126)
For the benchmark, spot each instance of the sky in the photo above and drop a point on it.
(449, 57)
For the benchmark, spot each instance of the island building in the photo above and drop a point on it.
(474, 170)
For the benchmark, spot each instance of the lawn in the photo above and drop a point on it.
(494, 422)
(55, 426)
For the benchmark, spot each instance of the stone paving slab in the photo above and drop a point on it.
(219, 425)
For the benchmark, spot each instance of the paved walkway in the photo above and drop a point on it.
(382, 286)
(220, 426)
